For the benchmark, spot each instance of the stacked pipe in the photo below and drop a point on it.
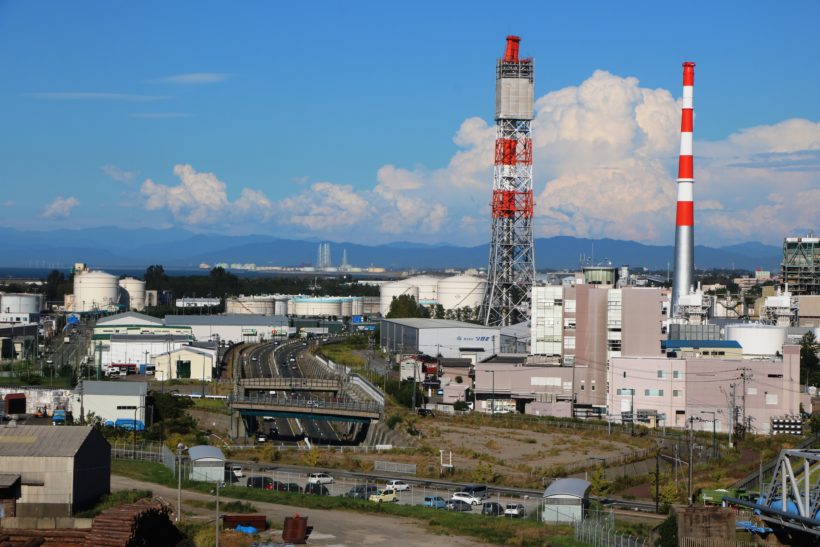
(684, 278)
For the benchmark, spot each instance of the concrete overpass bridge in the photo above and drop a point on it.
(252, 386)
(250, 407)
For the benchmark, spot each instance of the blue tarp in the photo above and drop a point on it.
(129, 424)
(749, 526)
(250, 530)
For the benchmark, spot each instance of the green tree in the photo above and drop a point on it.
(809, 362)
(155, 278)
(600, 486)
(223, 282)
(406, 306)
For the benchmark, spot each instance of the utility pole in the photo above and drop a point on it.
(691, 457)
(657, 480)
(731, 413)
(743, 377)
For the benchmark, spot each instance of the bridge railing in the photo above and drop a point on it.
(291, 383)
(312, 404)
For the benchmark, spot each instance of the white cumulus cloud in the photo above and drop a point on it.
(60, 208)
(118, 174)
(199, 198)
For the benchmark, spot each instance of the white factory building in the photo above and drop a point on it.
(136, 349)
(450, 339)
(110, 401)
(186, 362)
(454, 292)
(232, 328)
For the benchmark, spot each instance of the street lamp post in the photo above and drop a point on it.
(180, 448)
(493, 403)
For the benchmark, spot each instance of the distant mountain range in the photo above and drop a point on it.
(176, 248)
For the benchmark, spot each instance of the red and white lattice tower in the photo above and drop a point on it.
(512, 261)
(684, 279)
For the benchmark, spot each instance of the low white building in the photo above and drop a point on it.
(566, 501)
(207, 463)
(110, 401)
(135, 349)
(186, 362)
(232, 328)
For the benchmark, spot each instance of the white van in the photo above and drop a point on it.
(237, 471)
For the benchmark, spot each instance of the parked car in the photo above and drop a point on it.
(362, 492)
(477, 490)
(260, 482)
(492, 508)
(237, 471)
(261, 437)
(515, 510)
(316, 489)
(458, 505)
(382, 496)
(426, 412)
(320, 478)
(291, 487)
(436, 502)
(397, 485)
(466, 497)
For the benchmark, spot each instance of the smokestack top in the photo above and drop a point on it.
(688, 73)
(511, 54)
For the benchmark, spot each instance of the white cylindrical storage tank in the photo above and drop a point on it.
(280, 305)
(321, 307)
(461, 291)
(395, 289)
(356, 306)
(21, 303)
(246, 305)
(135, 293)
(757, 339)
(95, 290)
(347, 307)
(427, 284)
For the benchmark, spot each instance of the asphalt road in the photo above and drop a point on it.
(331, 528)
(269, 361)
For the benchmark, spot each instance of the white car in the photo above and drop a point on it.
(397, 485)
(515, 510)
(467, 498)
(320, 478)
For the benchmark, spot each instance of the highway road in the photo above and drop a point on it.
(266, 361)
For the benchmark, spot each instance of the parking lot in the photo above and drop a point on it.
(413, 496)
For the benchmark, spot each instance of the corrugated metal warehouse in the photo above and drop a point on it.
(440, 337)
(62, 469)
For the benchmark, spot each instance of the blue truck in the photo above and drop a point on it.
(58, 417)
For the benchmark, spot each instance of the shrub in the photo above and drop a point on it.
(393, 420)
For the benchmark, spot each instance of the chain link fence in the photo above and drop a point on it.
(599, 531)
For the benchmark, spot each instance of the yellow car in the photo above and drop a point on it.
(384, 495)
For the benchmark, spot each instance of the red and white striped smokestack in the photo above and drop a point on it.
(684, 279)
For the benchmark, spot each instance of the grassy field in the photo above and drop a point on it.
(499, 531)
(345, 351)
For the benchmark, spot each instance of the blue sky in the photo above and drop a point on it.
(362, 121)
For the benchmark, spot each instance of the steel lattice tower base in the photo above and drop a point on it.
(511, 269)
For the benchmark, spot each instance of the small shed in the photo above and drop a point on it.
(566, 500)
(207, 463)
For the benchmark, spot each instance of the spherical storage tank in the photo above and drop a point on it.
(134, 293)
(395, 289)
(757, 339)
(95, 290)
(21, 303)
(460, 291)
(427, 285)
